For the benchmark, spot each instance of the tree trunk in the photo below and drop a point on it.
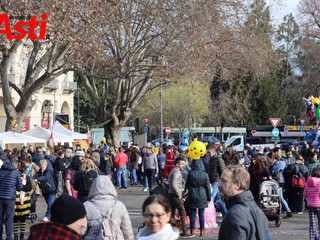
(111, 133)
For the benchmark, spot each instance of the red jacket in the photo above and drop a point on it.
(170, 158)
(52, 230)
(121, 159)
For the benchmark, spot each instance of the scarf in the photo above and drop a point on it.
(167, 233)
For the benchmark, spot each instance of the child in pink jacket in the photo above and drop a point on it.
(312, 193)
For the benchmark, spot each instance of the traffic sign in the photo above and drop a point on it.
(274, 121)
(302, 121)
(146, 120)
(253, 131)
(168, 130)
(301, 128)
(146, 129)
(275, 138)
(275, 132)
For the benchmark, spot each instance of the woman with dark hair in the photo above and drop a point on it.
(258, 172)
(156, 212)
(71, 175)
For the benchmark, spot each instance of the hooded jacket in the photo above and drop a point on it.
(312, 192)
(199, 186)
(103, 194)
(10, 181)
(244, 220)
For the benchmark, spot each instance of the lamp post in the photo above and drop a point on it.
(48, 108)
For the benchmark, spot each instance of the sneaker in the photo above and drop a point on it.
(117, 188)
(145, 189)
(187, 235)
(45, 219)
(299, 213)
(289, 215)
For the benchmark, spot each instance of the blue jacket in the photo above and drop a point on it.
(37, 158)
(46, 180)
(10, 181)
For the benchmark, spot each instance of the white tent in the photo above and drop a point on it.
(46, 133)
(57, 127)
(13, 137)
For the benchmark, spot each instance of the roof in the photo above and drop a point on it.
(57, 127)
(46, 133)
(13, 137)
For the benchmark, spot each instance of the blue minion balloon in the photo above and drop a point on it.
(184, 142)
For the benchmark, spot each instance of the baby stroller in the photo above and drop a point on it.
(33, 216)
(270, 202)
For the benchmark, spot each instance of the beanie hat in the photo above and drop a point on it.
(66, 210)
(80, 153)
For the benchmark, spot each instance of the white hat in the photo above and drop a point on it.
(80, 153)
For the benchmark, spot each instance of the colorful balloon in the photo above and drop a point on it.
(318, 112)
(196, 149)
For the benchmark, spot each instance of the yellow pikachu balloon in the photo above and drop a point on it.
(196, 149)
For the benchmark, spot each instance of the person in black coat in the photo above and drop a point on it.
(84, 179)
(295, 194)
(45, 177)
(199, 194)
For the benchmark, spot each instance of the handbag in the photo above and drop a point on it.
(298, 182)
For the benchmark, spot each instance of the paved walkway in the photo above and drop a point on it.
(295, 228)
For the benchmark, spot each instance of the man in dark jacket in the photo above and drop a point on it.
(10, 182)
(244, 220)
(215, 168)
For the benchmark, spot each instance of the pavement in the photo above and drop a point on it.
(295, 228)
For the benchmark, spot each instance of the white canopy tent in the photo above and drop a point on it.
(17, 138)
(46, 134)
(57, 127)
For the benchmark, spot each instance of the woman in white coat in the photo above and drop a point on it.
(102, 196)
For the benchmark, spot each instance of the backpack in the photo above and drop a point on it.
(110, 229)
(88, 179)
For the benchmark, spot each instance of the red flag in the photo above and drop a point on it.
(51, 142)
(69, 126)
(88, 135)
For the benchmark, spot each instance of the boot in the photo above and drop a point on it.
(289, 215)
(202, 232)
(191, 231)
(21, 236)
(15, 237)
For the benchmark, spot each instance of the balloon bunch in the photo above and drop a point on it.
(184, 142)
(312, 105)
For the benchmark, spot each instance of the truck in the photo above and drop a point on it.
(239, 142)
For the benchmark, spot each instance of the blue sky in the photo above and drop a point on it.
(287, 6)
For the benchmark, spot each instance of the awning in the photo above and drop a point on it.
(262, 134)
(293, 134)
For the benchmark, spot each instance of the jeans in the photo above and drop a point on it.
(149, 177)
(121, 175)
(218, 203)
(193, 215)
(283, 201)
(49, 200)
(134, 175)
(7, 208)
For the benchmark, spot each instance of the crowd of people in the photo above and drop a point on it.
(94, 176)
